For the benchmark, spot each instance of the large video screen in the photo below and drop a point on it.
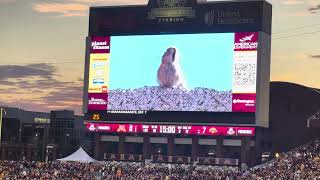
(208, 72)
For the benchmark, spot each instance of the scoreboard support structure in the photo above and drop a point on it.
(246, 148)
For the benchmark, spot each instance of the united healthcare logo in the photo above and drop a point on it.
(171, 11)
(209, 18)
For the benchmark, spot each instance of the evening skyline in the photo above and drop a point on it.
(42, 49)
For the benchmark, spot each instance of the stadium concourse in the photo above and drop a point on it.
(300, 163)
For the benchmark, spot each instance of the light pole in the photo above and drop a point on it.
(45, 139)
(1, 116)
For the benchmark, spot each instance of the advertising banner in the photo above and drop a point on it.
(97, 101)
(99, 73)
(244, 72)
(171, 159)
(218, 161)
(99, 67)
(100, 45)
(123, 157)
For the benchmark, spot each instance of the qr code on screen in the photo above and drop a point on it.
(244, 74)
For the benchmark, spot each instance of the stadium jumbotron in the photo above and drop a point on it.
(172, 89)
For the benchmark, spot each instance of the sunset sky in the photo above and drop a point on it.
(42, 48)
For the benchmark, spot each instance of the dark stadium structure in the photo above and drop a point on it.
(291, 105)
(32, 136)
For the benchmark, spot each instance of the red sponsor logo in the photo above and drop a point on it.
(248, 102)
(97, 101)
(100, 44)
(246, 41)
(243, 102)
(104, 89)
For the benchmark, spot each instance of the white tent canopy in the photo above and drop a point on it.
(79, 156)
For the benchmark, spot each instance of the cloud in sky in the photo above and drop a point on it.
(114, 2)
(31, 70)
(64, 96)
(78, 8)
(315, 8)
(313, 2)
(67, 97)
(36, 85)
(317, 56)
(292, 2)
(62, 9)
(298, 14)
(27, 105)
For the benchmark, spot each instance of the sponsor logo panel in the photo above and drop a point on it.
(100, 44)
(244, 72)
(245, 131)
(97, 101)
(246, 41)
(243, 102)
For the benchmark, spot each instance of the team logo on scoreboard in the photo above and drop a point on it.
(231, 131)
(171, 11)
(96, 117)
(121, 128)
(213, 130)
(92, 127)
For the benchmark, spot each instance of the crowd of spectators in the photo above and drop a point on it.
(300, 163)
(112, 171)
(51, 170)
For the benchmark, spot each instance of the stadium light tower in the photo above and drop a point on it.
(1, 116)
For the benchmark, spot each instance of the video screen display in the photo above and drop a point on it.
(209, 72)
